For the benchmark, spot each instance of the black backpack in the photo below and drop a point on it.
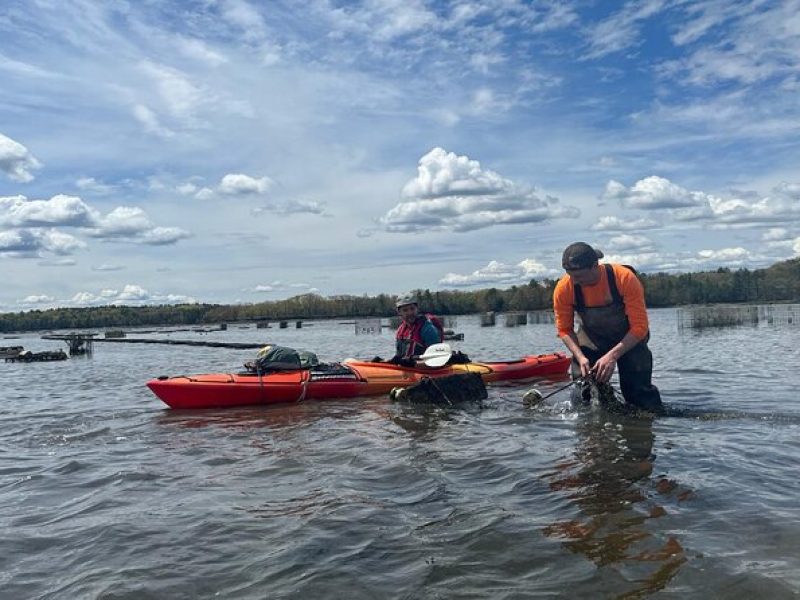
(282, 358)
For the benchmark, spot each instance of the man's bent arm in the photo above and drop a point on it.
(604, 367)
(571, 342)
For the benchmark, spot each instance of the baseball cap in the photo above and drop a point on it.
(579, 255)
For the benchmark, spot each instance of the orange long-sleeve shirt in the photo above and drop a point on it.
(599, 294)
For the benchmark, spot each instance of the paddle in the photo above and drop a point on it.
(436, 355)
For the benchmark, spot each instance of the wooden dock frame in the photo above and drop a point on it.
(46, 356)
(90, 340)
(79, 344)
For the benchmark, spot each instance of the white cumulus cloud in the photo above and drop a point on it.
(499, 273)
(61, 210)
(652, 193)
(162, 236)
(656, 193)
(33, 223)
(611, 223)
(33, 243)
(237, 183)
(131, 224)
(454, 192)
(743, 212)
(736, 255)
(123, 220)
(131, 295)
(627, 242)
(16, 161)
(684, 261)
(441, 173)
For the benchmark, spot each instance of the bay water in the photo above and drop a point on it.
(107, 493)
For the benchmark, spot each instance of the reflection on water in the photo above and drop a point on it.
(608, 479)
(421, 420)
(245, 418)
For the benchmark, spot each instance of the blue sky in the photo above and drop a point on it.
(241, 151)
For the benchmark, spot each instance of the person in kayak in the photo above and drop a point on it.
(614, 328)
(417, 331)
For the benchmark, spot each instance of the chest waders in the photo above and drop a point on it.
(603, 327)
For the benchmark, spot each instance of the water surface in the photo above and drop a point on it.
(105, 493)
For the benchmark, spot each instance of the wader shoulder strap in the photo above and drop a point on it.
(580, 304)
(612, 284)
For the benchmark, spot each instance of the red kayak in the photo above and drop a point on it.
(350, 379)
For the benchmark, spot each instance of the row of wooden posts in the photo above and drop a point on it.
(515, 319)
(699, 317)
(281, 324)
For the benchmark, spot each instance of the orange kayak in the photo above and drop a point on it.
(350, 379)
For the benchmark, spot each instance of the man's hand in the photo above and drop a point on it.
(604, 368)
(584, 364)
(571, 342)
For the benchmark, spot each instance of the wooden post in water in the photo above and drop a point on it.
(516, 319)
(541, 316)
(487, 319)
(80, 343)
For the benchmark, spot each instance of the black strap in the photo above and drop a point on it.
(580, 304)
(612, 284)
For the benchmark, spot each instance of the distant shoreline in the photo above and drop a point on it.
(779, 283)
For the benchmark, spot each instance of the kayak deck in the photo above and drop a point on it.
(351, 379)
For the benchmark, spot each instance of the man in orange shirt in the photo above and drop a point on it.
(609, 301)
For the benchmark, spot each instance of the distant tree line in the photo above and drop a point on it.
(778, 283)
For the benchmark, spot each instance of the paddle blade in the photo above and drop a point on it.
(437, 355)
